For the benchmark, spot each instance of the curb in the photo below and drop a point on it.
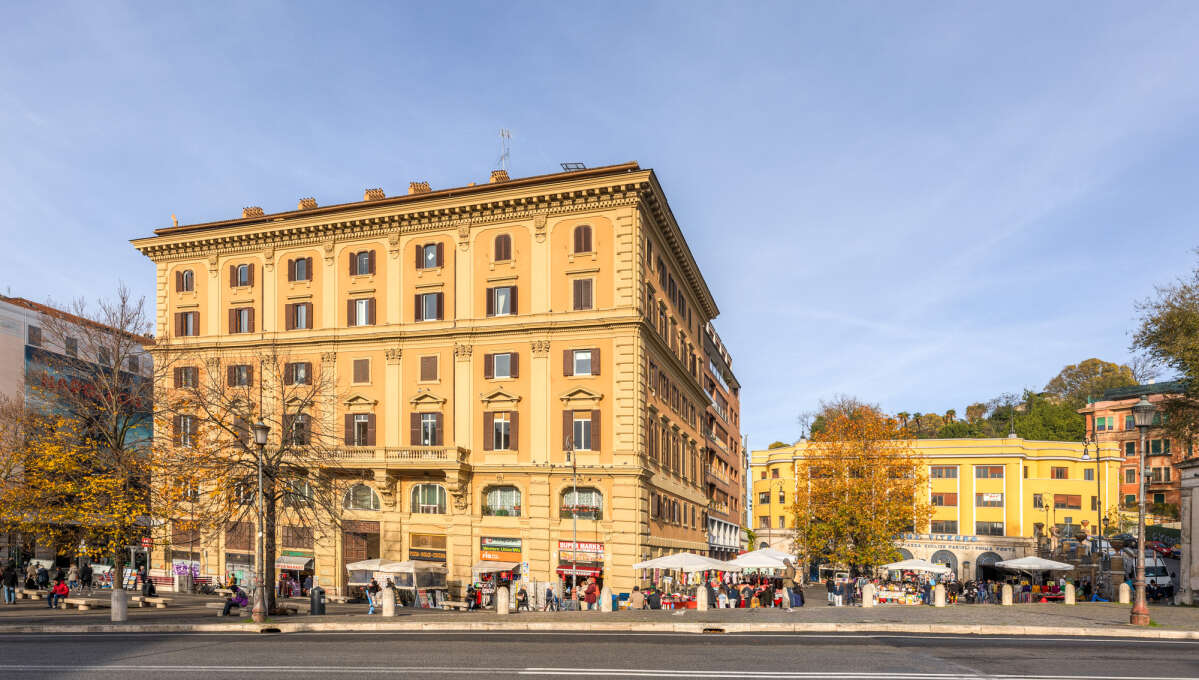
(696, 628)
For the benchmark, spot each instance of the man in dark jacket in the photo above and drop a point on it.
(10, 583)
(832, 588)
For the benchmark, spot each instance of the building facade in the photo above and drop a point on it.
(487, 342)
(990, 497)
(724, 458)
(1188, 568)
(1109, 420)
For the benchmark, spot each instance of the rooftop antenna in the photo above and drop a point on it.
(505, 149)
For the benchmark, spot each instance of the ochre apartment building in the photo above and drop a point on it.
(475, 334)
(987, 496)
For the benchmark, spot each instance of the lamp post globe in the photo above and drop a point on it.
(1142, 415)
(258, 614)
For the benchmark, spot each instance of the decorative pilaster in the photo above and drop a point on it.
(393, 386)
(464, 405)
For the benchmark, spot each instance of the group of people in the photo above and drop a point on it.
(293, 587)
(60, 584)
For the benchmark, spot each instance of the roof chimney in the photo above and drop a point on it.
(252, 211)
(307, 203)
(499, 176)
(418, 188)
(373, 195)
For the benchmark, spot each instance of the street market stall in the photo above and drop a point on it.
(487, 576)
(692, 568)
(906, 590)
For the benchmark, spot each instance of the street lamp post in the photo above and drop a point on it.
(1142, 414)
(258, 614)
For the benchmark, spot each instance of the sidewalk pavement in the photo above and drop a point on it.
(188, 613)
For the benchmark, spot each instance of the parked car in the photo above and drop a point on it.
(1159, 548)
(1129, 540)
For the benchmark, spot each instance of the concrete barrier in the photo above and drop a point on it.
(1069, 599)
(869, 595)
(1006, 595)
(120, 606)
(1125, 593)
(501, 601)
(388, 594)
(701, 598)
(606, 599)
(939, 595)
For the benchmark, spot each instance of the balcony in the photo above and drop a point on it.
(722, 508)
(419, 457)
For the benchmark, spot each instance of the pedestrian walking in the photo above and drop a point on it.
(789, 583)
(831, 587)
(307, 585)
(86, 576)
(10, 583)
(591, 595)
(551, 600)
(43, 578)
(372, 595)
(73, 577)
(30, 576)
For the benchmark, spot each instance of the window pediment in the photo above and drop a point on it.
(581, 398)
(360, 404)
(499, 397)
(427, 401)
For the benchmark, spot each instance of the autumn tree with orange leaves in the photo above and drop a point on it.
(859, 485)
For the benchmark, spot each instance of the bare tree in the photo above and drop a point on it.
(208, 461)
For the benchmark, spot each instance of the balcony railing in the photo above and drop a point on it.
(414, 455)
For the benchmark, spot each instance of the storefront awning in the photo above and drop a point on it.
(293, 562)
(580, 570)
(487, 567)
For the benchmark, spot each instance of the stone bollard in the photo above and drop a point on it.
(605, 599)
(1069, 594)
(701, 598)
(388, 595)
(939, 595)
(1006, 595)
(501, 601)
(869, 595)
(120, 606)
(1125, 593)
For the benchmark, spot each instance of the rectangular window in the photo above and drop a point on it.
(988, 528)
(582, 294)
(582, 362)
(1130, 448)
(1094, 503)
(1059, 473)
(362, 370)
(1130, 476)
(501, 302)
(988, 472)
(428, 429)
(501, 366)
(1129, 423)
(35, 336)
(582, 431)
(301, 316)
(133, 364)
(764, 522)
(1159, 498)
(782, 519)
(187, 376)
(429, 256)
(1063, 501)
(187, 430)
(188, 324)
(501, 426)
(296, 428)
(943, 472)
(242, 320)
(782, 497)
(1130, 500)
(300, 269)
(945, 500)
(362, 312)
(1155, 447)
(988, 500)
(1038, 501)
(297, 373)
(944, 526)
(362, 423)
(71, 345)
(241, 375)
(764, 498)
(428, 369)
(428, 306)
(1088, 475)
(774, 473)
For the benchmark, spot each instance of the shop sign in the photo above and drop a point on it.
(499, 549)
(585, 552)
(992, 498)
(427, 548)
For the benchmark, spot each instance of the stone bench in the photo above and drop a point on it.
(31, 594)
(459, 605)
(85, 603)
(156, 602)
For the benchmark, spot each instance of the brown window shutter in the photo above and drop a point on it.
(420, 256)
(250, 274)
(307, 373)
(440, 306)
(349, 312)
(232, 320)
(595, 361)
(353, 263)
(490, 302)
(568, 426)
(437, 435)
(249, 376)
(177, 372)
(596, 428)
(176, 428)
(514, 309)
(488, 431)
(178, 281)
(370, 430)
(349, 429)
(371, 262)
(195, 323)
(575, 295)
(229, 376)
(178, 324)
(514, 362)
(568, 362)
(414, 429)
(370, 311)
(289, 317)
(232, 276)
(362, 370)
(308, 305)
(488, 366)
(513, 431)
(586, 294)
(288, 374)
(416, 308)
(291, 270)
(308, 269)
(440, 254)
(250, 321)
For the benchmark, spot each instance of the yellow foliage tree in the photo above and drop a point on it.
(859, 486)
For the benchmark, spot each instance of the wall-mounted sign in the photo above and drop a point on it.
(992, 497)
(499, 549)
(585, 552)
(427, 548)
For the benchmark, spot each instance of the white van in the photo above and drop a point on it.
(1155, 569)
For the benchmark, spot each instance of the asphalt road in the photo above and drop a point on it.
(440, 655)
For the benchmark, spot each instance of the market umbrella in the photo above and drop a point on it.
(1033, 563)
(372, 565)
(762, 559)
(687, 563)
(916, 565)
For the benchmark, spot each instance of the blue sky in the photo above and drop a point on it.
(919, 204)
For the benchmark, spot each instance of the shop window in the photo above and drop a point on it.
(428, 499)
(361, 497)
(501, 501)
(586, 503)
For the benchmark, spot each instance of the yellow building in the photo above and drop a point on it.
(989, 496)
(471, 332)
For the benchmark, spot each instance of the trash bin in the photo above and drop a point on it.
(316, 605)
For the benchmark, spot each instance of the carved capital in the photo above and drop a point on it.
(212, 265)
(539, 227)
(328, 357)
(393, 245)
(393, 355)
(541, 348)
(329, 253)
(462, 352)
(464, 237)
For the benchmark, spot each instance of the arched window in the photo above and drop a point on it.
(582, 239)
(243, 274)
(187, 281)
(361, 497)
(503, 248)
(501, 501)
(428, 499)
(586, 503)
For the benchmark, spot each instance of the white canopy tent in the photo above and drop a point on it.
(1033, 563)
(362, 572)
(916, 565)
(766, 558)
(687, 563)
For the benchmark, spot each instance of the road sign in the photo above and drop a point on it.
(147, 542)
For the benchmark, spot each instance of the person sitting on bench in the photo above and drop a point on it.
(236, 599)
